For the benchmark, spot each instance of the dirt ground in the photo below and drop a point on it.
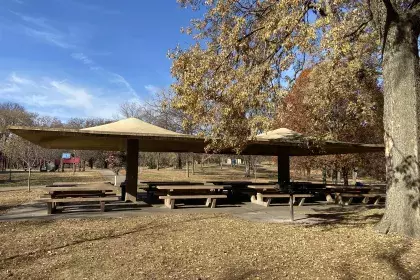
(210, 246)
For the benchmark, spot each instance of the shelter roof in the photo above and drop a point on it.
(113, 136)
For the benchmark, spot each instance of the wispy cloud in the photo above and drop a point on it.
(86, 60)
(114, 78)
(18, 2)
(118, 79)
(50, 95)
(42, 29)
(152, 89)
(93, 8)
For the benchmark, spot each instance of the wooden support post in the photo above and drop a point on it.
(132, 169)
(283, 176)
(283, 169)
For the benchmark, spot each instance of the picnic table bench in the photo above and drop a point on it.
(208, 192)
(65, 193)
(269, 192)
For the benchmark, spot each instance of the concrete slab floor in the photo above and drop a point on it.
(245, 210)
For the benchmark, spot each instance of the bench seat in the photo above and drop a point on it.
(259, 198)
(211, 199)
(366, 197)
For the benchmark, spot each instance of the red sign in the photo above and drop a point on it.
(75, 160)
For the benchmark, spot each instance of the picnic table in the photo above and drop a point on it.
(265, 193)
(236, 190)
(191, 191)
(152, 192)
(58, 194)
(344, 195)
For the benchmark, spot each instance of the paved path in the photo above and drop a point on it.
(109, 175)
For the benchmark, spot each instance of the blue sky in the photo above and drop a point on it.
(82, 58)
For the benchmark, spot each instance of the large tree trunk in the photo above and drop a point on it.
(401, 73)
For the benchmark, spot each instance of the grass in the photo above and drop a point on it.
(210, 246)
(20, 178)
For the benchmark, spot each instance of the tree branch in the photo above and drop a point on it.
(250, 33)
(413, 4)
(359, 28)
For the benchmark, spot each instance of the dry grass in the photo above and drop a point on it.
(14, 198)
(187, 246)
(201, 246)
(19, 178)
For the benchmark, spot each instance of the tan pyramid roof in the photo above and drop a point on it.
(131, 125)
(280, 134)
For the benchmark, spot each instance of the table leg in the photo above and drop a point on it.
(102, 206)
(208, 202)
(213, 203)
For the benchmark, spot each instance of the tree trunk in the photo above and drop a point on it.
(354, 176)
(193, 165)
(179, 161)
(308, 173)
(157, 161)
(334, 176)
(401, 72)
(29, 178)
(188, 168)
(345, 173)
(247, 167)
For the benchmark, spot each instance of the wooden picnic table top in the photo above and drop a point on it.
(84, 188)
(169, 183)
(262, 187)
(189, 187)
(352, 187)
(79, 183)
(244, 183)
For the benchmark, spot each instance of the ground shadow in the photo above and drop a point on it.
(339, 215)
